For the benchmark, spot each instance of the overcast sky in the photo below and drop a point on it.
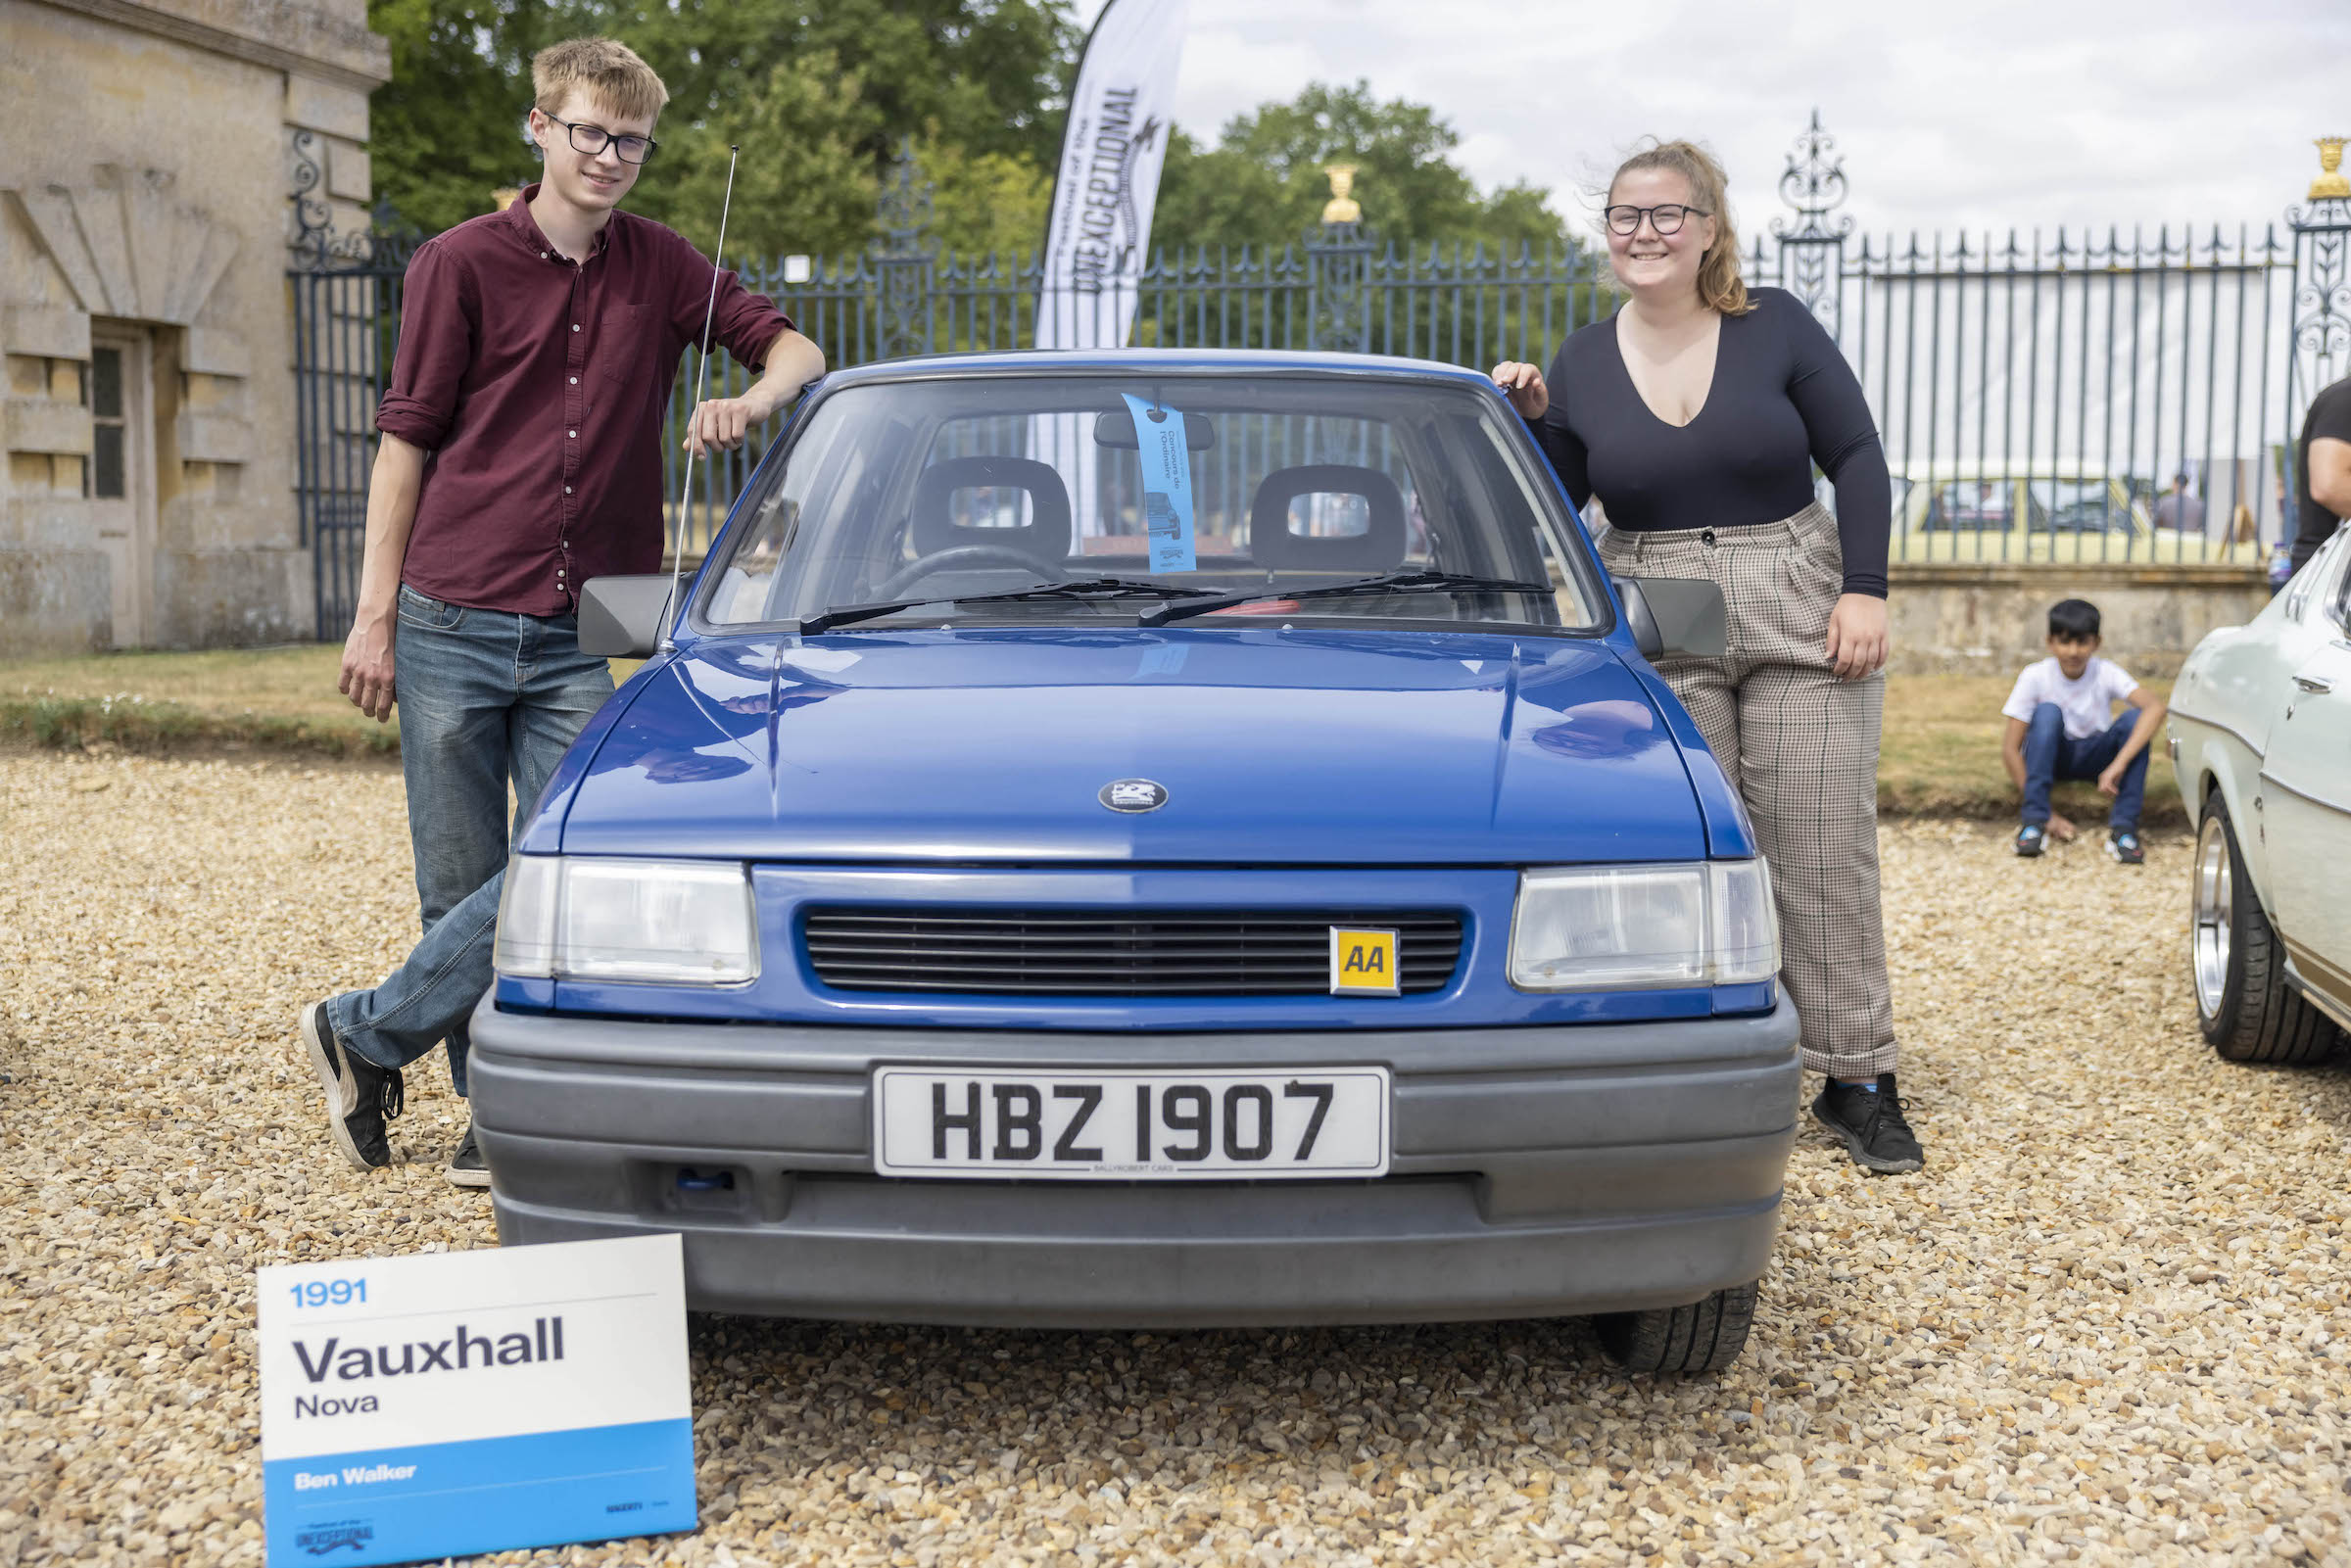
(1974, 111)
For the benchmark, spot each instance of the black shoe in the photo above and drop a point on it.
(2031, 840)
(2123, 845)
(1872, 1126)
(359, 1095)
(465, 1167)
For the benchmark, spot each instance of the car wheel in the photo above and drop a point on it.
(1704, 1337)
(2247, 1011)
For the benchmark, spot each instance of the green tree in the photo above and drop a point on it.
(817, 96)
(1263, 182)
(985, 204)
(446, 130)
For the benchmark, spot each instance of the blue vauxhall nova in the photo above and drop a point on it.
(1152, 839)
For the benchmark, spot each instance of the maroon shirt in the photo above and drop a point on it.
(537, 384)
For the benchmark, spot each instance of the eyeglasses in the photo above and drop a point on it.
(593, 139)
(1665, 219)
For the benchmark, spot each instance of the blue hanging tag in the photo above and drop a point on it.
(1166, 485)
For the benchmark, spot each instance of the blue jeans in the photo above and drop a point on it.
(2051, 754)
(487, 698)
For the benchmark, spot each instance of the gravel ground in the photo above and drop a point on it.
(2107, 1324)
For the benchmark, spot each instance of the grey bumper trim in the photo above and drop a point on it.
(1537, 1172)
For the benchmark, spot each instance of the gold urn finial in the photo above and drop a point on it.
(2331, 185)
(1341, 208)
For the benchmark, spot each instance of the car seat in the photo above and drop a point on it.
(1276, 545)
(1044, 536)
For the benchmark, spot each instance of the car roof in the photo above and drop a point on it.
(1155, 361)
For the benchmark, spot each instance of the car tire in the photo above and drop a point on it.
(2236, 966)
(1704, 1337)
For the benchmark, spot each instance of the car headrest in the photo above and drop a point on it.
(1046, 533)
(1274, 542)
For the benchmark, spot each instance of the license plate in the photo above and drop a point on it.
(1130, 1125)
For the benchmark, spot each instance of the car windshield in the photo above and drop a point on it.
(1975, 504)
(2081, 506)
(1403, 499)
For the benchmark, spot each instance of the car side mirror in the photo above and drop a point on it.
(1675, 615)
(624, 617)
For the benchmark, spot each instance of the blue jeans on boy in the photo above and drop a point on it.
(484, 698)
(2051, 754)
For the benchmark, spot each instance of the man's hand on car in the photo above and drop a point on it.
(722, 422)
(367, 666)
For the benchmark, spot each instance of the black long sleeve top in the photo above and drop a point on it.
(1783, 398)
(2330, 415)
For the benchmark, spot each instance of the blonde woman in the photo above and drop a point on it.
(1696, 416)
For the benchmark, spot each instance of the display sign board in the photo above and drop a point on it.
(457, 1403)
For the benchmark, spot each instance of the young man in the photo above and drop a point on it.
(2061, 724)
(520, 456)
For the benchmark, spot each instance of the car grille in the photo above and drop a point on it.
(1188, 952)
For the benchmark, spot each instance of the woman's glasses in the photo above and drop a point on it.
(1665, 219)
(591, 139)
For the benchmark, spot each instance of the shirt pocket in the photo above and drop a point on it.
(624, 342)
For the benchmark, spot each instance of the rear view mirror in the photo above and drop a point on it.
(1675, 615)
(624, 617)
(1115, 428)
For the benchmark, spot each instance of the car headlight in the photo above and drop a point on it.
(664, 922)
(1625, 928)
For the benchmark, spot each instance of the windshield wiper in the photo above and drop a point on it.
(1083, 587)
(1420, 582)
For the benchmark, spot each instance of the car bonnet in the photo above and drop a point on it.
(1265, 746)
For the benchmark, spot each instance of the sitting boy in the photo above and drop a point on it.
(2061, 726)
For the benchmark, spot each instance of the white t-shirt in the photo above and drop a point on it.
(2087, 703)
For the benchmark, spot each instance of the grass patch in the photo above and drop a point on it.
(283, 697)
(1940, 755)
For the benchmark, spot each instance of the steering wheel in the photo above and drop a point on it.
(913, 572)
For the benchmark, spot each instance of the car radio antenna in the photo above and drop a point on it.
(701, 379)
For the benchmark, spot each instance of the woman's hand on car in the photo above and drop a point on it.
(1524, 385)
(1857, 644)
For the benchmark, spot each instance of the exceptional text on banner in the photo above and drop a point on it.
(459, 1402)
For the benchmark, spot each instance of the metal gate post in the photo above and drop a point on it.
(2318, 337)
(1813, 246)
(1338, 263)
(344, 292)
(903, 262)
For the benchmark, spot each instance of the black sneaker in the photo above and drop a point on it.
(2031, 840)
(1872, 1126)
(465, 1167)
(2122, 844)
(359, 1095)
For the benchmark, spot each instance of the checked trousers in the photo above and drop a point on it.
(1800, 746)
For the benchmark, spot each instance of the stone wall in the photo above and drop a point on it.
(1993, 619)
(151, 209)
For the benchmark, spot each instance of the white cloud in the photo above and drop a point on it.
(1992, 114)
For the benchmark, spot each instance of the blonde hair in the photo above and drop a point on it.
(1719, 285)
(612, 73)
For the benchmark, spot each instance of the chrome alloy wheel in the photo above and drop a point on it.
(2213, 901)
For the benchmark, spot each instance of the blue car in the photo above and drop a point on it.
(1152, 839)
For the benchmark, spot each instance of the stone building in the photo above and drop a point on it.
(148, 412)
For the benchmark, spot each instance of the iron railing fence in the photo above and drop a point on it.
(2039, 394)
(2066, 398)
(1462, 303)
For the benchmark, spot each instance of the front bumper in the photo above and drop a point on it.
(1537, 1172)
